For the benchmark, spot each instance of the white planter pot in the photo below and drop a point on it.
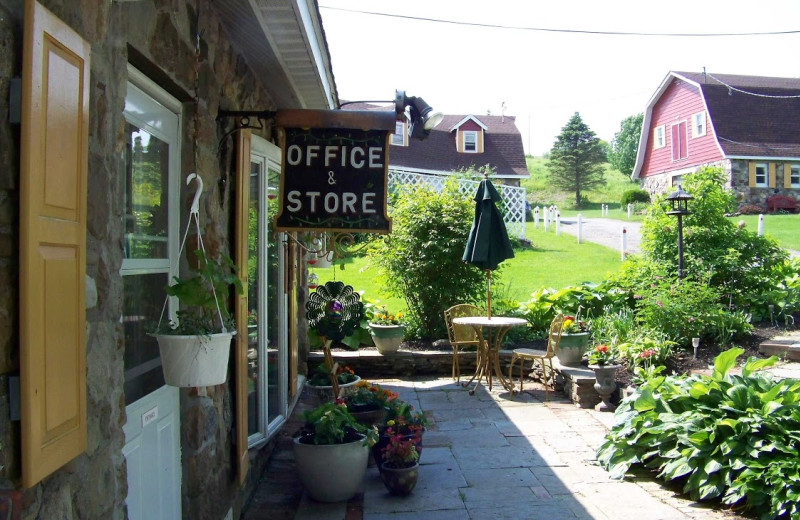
(331, 472)
(191, 361)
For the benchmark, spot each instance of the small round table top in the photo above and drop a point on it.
(494, 321)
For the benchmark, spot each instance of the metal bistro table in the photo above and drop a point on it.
(496, 328)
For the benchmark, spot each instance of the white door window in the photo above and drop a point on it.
(150, 254)
(267, 336)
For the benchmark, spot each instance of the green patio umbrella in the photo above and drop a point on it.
(488, 242)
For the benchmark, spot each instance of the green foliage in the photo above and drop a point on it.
(576, 160)
(203, 297)
(429, 232)
(331, 423)
(723, 436)
(626, 144)
(738, 262)
(633, 196)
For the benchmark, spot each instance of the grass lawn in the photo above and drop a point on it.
(553, 262)
(783, 228)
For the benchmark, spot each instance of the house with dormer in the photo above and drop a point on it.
(458, 143)
(747, 125)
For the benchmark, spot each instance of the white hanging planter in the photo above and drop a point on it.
(192, 361)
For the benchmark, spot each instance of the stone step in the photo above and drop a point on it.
(785, 347)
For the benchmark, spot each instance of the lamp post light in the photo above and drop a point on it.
(679, 204)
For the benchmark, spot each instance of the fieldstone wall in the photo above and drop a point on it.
(159, 38)
(758, 196)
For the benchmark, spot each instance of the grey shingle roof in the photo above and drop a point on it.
(502, 146)
(748, 124)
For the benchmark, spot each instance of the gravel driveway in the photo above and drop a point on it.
(605, 231)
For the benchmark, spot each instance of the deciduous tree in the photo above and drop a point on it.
(626, 144)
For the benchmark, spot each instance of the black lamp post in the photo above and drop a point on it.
(679, 202)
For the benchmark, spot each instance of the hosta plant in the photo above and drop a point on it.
(729, 437)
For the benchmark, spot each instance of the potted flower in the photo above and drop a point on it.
(331, 452)
(368, 402)
(400, 468)
(319, 382)
(387, 331)
(403, 420)
(195, 347)
(574, 341)
(602, 359)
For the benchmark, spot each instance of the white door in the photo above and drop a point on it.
(151, 435)
(150, 249)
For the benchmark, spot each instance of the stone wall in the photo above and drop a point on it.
(758, 196)
(159, 38)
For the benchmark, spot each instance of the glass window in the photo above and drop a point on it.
(471, 141)
(150, 234)
(399, 133)
(659, 139)
(794, 176)
(762, 177)
(267, 352)
(699, 124)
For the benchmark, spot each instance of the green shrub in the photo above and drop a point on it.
(420, 260)
(738, 262)
(634, 195)
(728, 437)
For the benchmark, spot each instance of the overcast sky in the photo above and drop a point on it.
(543, 77)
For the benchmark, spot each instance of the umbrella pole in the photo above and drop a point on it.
(489, 293)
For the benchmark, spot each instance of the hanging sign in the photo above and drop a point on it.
(335, 170)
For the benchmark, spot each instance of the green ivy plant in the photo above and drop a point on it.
(729, 437)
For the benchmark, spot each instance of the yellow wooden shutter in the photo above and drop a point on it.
(752, 174)
(772, 179)
(241, 253)
(787, 175)
(54, 158)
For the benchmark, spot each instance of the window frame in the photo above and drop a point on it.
(794, 173)
(399, 135)
(473, 134)
(659, 141)
(765, 167)
(697, 124)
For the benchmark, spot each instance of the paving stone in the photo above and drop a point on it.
(430, 499)
(499, 457)
(447, 514)
(501, 478)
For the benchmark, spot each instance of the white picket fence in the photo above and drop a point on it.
(513, 196)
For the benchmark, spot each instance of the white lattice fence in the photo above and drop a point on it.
(513, 196)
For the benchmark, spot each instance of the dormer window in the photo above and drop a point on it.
(470, 141)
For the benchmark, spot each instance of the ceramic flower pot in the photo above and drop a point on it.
(331, 472)
(572, 347)
(387, 338)
(605, 384)
(324, 394)
(400, 481)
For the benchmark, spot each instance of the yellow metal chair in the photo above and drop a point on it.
(460, 335)
(544, 357)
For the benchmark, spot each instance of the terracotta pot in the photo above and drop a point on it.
(387, 338)
(383, 441)
(368, 415)
(400, 481)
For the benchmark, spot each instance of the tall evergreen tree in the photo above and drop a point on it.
(626, 144)
(576, 160)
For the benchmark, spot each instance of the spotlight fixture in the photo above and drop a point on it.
(422, 118)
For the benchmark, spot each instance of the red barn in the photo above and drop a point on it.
(747, 125)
